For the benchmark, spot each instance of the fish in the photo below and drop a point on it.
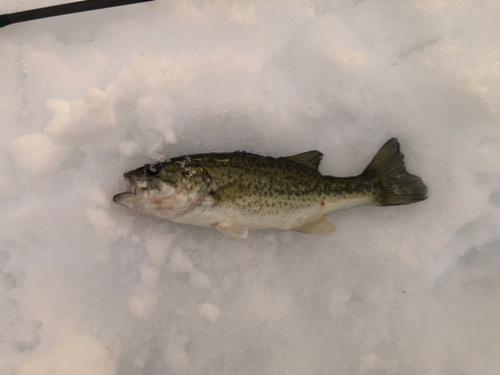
(239, 191)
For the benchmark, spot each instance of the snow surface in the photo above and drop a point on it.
(89, 287)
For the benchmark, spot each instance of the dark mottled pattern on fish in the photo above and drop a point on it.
(260, 184)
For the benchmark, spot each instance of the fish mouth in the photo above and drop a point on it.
(131, 182)
(131, 188)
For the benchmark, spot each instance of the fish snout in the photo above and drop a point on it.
(131, 178)
(128, 176)
(132, 181)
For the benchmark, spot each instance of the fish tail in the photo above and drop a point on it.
(393, 185)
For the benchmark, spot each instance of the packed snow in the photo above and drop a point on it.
(90, 287)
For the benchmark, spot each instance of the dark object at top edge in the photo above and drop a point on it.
(59, 10)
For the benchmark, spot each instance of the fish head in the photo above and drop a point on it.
(165, 189)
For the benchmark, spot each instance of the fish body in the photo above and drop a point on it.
(239, 191)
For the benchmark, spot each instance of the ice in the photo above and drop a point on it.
(90, 287)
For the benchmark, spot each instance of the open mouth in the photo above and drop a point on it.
(131, 189)
(132, 186)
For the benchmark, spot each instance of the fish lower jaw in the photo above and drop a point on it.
(120, 197)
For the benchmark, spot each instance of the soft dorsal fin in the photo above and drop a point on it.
(309, 159)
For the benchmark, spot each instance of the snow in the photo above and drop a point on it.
(89, 287)
(80, 121)
(158, 245)
(180, 262)
(208, 311)
(37, 153)
(77, 355)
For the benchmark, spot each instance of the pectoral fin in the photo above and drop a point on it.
(226, 193)
(233, 229)
(322, 226)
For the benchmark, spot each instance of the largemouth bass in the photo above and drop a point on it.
(239, 191)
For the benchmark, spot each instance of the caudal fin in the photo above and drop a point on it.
(394, 186)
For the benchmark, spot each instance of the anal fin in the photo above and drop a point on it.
(321, 226)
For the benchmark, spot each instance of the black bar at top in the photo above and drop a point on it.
(59, 10)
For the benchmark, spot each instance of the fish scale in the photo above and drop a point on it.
(272, 185)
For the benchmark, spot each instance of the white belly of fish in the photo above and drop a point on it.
(209, 215)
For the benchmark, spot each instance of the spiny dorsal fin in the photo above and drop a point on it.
(309, 159)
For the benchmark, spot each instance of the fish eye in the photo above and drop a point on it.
(152, 170)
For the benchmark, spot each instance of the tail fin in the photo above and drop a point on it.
(396, 186)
